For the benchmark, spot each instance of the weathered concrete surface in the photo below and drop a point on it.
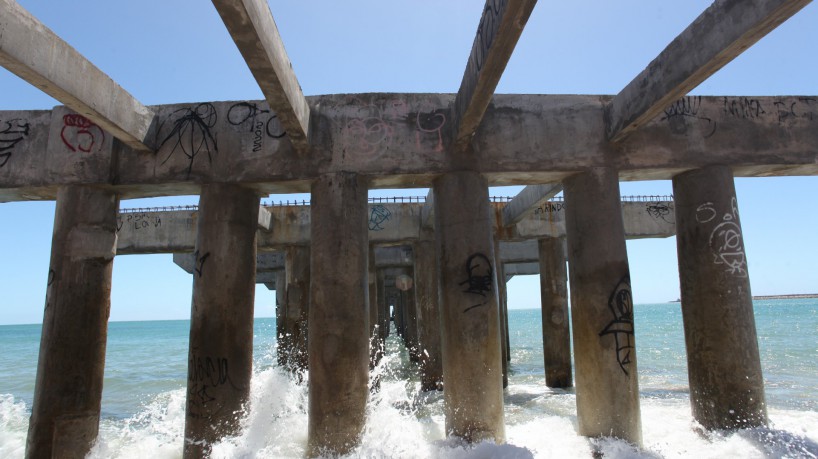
(473, 398)
(410, 309)
(68, 388)
(722, 32)
(607, 387)
(33, 52)
(175, 231)
(779, 138)
(499, 30)
(254, 31)
(556, 332)
(527, 200)
(374, 308)
(428, 307)
(501, 299)
(220, 354)
(297, 272)
(726, 384)
(339, 314)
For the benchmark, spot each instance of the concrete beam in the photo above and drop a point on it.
(254, 31)
(756, 136)
(33, 52)
(500, 27)
(521, 269)
(716, 37)
(528, 199)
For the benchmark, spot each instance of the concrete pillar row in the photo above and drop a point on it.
(556, 335)
(68, 387)
(724, 368)
(411, 317)
(470, 317)
(607, 386)
(374, 310)
(297, 277)
(501, 297)
(426, 285)
(220, 353)
(339, 314)
(384, 318)
(282, 338)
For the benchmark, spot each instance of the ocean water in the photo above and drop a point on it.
(143, 399)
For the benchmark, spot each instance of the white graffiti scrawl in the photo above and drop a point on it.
(726, 241)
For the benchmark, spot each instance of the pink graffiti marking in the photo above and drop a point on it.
(81, 134)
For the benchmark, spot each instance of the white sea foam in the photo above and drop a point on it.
(13, 427)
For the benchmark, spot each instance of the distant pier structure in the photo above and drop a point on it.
(341, 264)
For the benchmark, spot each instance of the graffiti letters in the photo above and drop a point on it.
(725, 239)
(81, 134)
(200, 261)
(205, 375)
(258, 121)
(191, 133)
(377, 216)
(12, 132)
(549, 207)
(688, 108)
(621, 326)
(660, 210)
(137, 221)
(742, 107)
(480, 276)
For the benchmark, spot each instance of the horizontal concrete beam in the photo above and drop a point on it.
(33, 52)
(394, 224)
(499, 30)
(757, 136)
(254, 31)
(528, 199)
(722, 32)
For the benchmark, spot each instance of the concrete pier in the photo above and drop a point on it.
(220, 356)
(501, 298)
(724, 368)
(556, 334)
(426, 296)
(374, 309)
(411, 316)
(297, 269)
(283, 349)
(339, 314)
(473, 397)
(68, 388)
(602, 307)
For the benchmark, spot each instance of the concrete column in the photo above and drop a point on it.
(220, 355)
(473, 398)
(384, 318)
(724, 368)
(426, 296)
(556, 336)
(602, 306)
(501, 296)
(410, 306)
(297, 271)
(68, 388)
(399, 313)
(339, 314)
(374, 310)
(282, 337)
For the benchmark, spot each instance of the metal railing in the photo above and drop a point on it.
(384, 200)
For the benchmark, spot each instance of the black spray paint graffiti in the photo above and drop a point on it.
(191, 133)
(549, 207)
(725, 240)
(135, 222)
(743, 107)
(480, 277)
(688, 108)
(205, 374)
(254, 117)
(200, 261)
(660, 210)
(377, 216)
(51, 275)
(12, 132)
(621, 327)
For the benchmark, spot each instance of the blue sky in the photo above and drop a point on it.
(167, 52)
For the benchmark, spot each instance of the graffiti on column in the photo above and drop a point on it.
(377, 216)
(137, 221)
(200, 261)
(621, 326)
(81, 134)
(12, 132)
(204, 375)
(259, 121)
(480, 277)
(191, 133)
(725, 240)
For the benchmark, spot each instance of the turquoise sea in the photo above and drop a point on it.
(143, 399)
